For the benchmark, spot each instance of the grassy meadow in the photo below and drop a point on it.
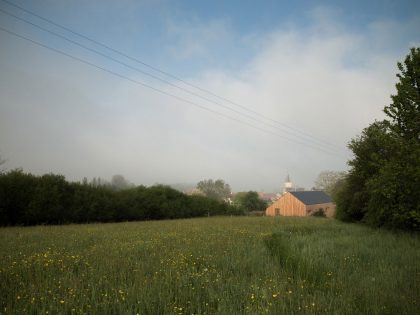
(221, 265)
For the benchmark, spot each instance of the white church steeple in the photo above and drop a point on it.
(288, 185)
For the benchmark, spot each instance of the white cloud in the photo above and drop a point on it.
(323, 80)
(329, 84)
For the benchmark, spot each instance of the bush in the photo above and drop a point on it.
(319, 213)
(381, 188)
(49, 199)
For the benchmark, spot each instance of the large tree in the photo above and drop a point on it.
(404, 110)
(250, 201)
(327, 180)
(382, 186)
(217, 189)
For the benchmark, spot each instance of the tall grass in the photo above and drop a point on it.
(209, 266)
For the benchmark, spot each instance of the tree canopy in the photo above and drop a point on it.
(382, 187)
(217, 189)
(327, 181)
(250, 201)
(404, 110)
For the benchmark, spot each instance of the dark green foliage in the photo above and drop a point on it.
(250, 201)
(16, 192)
(394, 191)
(51, 198)
(93, 204)
(382, 187)
(26, 199)
(319, 213)
(405, 107)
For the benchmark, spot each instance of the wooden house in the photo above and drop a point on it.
(301, 203)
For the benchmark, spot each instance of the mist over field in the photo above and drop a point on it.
(326, 71)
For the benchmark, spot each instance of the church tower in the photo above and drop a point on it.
(288, 185)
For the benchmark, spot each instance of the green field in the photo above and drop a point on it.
(240, 265)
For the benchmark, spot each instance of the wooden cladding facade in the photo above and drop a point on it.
(289, 205)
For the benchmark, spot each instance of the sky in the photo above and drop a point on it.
(268, 88)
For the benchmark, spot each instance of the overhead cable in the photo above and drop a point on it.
(284, 125)
(312, 145)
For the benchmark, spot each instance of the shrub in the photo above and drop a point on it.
(319, 213)
(49, 199)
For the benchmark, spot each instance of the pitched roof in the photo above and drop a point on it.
(312, 197)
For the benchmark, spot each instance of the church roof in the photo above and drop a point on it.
(312, 197)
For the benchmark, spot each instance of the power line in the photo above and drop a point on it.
(304, 134)
(153, 76)
(158, 90)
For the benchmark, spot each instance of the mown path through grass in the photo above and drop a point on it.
(209, 266)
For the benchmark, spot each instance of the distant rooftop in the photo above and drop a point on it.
(312, 197)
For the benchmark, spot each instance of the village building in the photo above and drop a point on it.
(301, 203)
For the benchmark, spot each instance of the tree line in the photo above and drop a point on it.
(26, 199)
(382, 187)
(246, 202)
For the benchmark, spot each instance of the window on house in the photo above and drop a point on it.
(277, 211)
